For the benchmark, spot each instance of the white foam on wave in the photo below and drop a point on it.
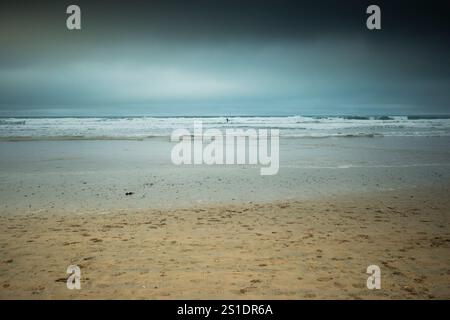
(290, 126)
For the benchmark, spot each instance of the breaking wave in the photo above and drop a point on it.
(136, 128)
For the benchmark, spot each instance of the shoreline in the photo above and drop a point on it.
(81, 175)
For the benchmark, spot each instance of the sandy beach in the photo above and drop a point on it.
(309, 232)
(283, 250)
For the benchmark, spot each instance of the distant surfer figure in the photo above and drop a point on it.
(227, 120)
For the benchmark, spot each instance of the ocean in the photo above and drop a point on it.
(114, 128)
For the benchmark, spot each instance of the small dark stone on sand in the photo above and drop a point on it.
(129, 193)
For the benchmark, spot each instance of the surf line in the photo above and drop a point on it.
(235, 146)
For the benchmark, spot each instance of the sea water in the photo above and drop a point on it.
(289, 126)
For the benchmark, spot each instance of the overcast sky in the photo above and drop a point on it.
(224, 58)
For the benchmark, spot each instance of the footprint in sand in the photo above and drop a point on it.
(324, 279)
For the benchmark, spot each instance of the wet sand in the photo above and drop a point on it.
(281, 250)
(85, 175)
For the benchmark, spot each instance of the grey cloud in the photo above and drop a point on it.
(180, 57)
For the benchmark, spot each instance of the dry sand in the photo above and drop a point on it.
(279, 250)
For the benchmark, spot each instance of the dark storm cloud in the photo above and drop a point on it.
(209, 57)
